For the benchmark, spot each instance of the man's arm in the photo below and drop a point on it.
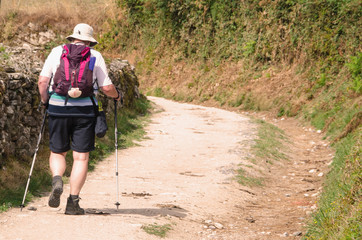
(111, 91)
(43, 83)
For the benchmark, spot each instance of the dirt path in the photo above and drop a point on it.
(183, 176)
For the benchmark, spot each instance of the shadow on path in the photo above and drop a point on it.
(149, 212)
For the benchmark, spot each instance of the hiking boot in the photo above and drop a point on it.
(54, 199)
(73, 207)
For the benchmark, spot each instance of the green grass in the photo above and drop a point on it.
(238, 101)
(354, 66)
(222, 97)
(10, 198)
(268, 147)
(5, 207)
(3, 54)
(156, 229)
(158, 92)
(245, 179)
(13, 197)
(340, 208)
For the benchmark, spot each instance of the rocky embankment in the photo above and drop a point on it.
(20, 115)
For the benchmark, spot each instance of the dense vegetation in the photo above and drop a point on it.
(297, 58)
(231, 52)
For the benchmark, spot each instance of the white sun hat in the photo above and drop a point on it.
(83, 32)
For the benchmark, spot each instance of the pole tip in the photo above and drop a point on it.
(117, 204)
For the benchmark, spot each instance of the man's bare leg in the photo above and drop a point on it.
(57, 163)
(79, 172)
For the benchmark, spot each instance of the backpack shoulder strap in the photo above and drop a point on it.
(66, 61)
(85, 58)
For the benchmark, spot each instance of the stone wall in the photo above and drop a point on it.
(20, 115)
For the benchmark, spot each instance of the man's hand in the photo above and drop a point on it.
(120, 96)
(43, 105)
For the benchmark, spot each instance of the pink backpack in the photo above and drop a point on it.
(74, 76)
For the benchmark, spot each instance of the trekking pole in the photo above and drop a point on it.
(116, 146)
(34, 157)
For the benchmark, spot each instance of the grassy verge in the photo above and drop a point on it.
(340, 208)
(156, 229)
(131, 124)
(268, 147)
(12, 197)
(246, 179)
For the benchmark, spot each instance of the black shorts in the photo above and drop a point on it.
(74, 133)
